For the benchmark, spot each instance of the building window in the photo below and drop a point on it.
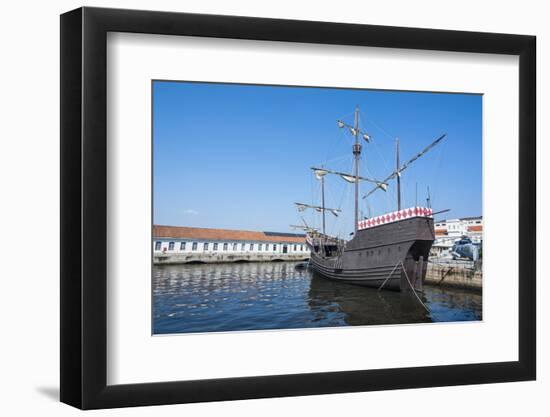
(295, 248)
(259, 247)
(242, 247)
(194, 247)
(235, 246)
(215, 246)
(158, 245)
(171, 246)
(251, 246)
(182, 246)
(225, 246)
(274, 247)
(205, 246)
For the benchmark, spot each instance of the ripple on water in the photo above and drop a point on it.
(259, 296)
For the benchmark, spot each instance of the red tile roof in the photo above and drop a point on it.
(478, 228)
(179, 232)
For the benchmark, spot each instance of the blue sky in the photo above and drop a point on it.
(238, 156)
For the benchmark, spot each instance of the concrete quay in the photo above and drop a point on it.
(208, 258)
(454, 273)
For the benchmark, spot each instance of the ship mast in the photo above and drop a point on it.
(357, 154)
(349, 177)
(397, 166)
(402, 168)
(323, 201)
(355, 178)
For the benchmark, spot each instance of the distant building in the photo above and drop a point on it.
(467, 226)
(173, 244)
(449, 231)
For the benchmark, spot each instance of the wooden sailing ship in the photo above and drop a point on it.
(389, 251)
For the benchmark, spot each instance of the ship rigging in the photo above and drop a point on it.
(388, 251)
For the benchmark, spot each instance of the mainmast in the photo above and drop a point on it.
(355, 178)
(357, 154)
(397, 166)
(323, 201)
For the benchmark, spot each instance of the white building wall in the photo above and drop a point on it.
(161, 245)
(457, 228)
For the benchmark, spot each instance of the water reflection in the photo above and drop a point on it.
(364, 306)
(255, 296)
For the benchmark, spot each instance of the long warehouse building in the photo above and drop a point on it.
(175, 244)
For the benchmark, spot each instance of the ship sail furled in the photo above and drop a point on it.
(321, 172)
(303, 206)
(304, 228)
(403, 167)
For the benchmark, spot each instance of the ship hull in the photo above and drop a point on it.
(393, 256)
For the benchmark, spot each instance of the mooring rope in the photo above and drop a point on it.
(412, 288)
(408, 280)
(389, 276)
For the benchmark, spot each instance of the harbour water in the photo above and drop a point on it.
(193, 298)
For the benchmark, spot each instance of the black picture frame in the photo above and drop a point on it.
(84, 207)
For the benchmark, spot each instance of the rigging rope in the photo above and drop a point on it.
(390, 197)
(437, 169)
(379, 128)
(387, 196)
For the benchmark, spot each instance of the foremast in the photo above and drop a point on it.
(400, 168)
(398, 179)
